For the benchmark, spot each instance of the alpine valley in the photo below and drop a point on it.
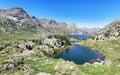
(28, 46)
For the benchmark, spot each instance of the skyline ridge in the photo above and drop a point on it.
(84, 13)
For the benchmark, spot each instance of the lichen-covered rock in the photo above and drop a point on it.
(39, 53)
(46, 49)
(26, 45)
(66, 68)
(26, 68)
(55, 43)
(43, 73)
(24, 53)
(17, 61)
(5, 67)
(62, 68)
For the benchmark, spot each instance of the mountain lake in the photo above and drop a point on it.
(79, 54)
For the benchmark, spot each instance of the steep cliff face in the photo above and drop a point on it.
(16, 19)
(111, 31)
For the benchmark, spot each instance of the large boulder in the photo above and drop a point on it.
(46, 49)
(43, 73)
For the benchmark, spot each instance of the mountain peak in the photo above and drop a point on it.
(16, 8)
(15, 13)
(17, 18)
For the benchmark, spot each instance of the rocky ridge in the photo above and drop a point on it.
(111, 31)
(15, 19)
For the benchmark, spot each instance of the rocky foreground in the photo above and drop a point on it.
(14, 56)
(34, 57)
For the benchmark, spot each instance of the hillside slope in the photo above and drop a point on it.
(16, 20)
(111, 31)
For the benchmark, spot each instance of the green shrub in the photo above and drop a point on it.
(49, 45)
(50, 36)
(19, 62)
(107, 33)
(1, 48)
(29, 47)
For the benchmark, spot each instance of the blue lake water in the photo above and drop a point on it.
(79, 54)
(80, 37)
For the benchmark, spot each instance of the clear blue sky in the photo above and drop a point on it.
(87, 13)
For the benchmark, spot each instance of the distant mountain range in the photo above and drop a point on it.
(16, 20)
(91, 31)
(111, 31)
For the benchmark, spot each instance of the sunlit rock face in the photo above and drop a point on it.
(111, 31)
(56, 43)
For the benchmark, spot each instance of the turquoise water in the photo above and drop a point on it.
(79, 54)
